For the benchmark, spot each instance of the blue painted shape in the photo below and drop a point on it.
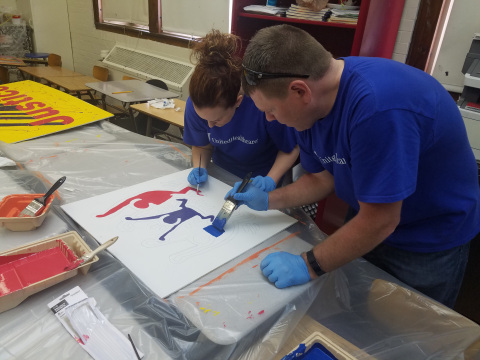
(212, 230)
(300, 351)
(219, 223)
(316, 352)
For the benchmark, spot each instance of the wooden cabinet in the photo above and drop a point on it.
(373, 35)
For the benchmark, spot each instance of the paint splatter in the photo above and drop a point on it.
(250, 315)
(247, 260)
(261, 312)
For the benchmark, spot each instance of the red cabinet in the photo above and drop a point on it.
(374, 34)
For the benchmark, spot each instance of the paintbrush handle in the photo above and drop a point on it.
(53, 188)
(244, 183)
(90, 255)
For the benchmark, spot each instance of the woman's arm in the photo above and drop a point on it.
(283, 162)
(206, 154)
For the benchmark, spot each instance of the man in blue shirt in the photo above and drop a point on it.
(389, 140)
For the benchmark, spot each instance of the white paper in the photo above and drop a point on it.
(172, 250)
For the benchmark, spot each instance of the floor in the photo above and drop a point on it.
(468, 301)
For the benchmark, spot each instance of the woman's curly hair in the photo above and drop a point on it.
(216, 78)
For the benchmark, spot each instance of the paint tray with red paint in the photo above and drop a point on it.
(41, 266)
(12, 205)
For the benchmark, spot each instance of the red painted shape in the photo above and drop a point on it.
(143, 200)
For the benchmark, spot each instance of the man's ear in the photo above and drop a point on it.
(300, 89)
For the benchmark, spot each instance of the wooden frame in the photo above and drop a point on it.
(153, 32)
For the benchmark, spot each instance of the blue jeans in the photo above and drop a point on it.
(437, 274)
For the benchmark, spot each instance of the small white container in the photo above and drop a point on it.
(16, 20)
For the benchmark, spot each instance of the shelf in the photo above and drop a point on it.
(472, 81)
(283, 19)
(473, 115)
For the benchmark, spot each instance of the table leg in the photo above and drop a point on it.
(130, 111)
(148, 131)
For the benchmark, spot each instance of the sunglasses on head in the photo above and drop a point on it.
(252, 76)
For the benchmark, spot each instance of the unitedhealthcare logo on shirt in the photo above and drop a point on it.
(334, 158)
(232, 139)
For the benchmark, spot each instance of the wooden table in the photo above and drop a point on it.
(129, 92)
(11, 61)
(43, 71)
(73, 84)
(167, 115)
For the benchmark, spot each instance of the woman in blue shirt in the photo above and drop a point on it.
(224, 125)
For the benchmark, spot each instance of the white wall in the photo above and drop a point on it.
(405, 30)
(74, 20)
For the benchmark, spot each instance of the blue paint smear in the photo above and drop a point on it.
(212, 230)
(219, 223)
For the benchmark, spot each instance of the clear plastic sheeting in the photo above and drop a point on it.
(231, 313)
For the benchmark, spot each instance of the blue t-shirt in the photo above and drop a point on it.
(247, 143)
(394, 134)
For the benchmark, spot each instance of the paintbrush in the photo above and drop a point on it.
(229, 206)
(39, 203)
(199, 163)
(87, 257)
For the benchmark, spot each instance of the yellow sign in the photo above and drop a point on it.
(29, 110)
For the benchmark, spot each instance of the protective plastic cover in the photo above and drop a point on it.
(369, 313)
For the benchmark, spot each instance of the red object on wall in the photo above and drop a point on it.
(380, 30)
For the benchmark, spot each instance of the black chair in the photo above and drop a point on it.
(158, 126)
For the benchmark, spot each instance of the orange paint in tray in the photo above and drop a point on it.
(12, 205)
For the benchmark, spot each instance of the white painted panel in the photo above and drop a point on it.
(463, 23)
(52, 30)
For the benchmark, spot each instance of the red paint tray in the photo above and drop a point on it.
(29, 275)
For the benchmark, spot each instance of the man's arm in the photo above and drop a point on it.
(373, 224)
(308, 189)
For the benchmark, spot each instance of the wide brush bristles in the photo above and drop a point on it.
(74, 265)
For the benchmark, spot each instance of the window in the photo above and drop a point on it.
(175, 22)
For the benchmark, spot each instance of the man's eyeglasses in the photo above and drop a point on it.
(252, 76)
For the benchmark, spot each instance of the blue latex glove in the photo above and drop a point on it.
(265, 183)
(251, 196)
(197, 177)
(285, 269)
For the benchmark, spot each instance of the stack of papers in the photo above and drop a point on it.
(344, 16)
(301, 12)
(266, 10)
(335, 15)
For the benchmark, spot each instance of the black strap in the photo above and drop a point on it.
(314, 264)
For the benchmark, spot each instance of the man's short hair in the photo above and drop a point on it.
(283, 49)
